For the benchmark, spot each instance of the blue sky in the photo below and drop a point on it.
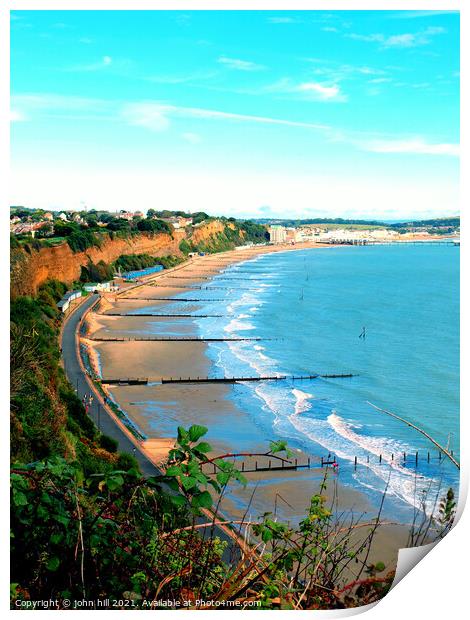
(256, 113)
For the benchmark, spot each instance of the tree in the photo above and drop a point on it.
(154, 226)
(119, 224)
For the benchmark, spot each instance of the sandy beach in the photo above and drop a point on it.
(157, 409)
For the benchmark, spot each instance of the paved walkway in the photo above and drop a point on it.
(97, 411)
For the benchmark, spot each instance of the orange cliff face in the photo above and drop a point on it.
(30, 269)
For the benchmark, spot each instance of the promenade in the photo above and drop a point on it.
(98, 411)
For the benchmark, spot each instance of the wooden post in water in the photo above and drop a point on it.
(404, 456)
(309, 462)
(380, 458)
(392, 457)
(355, 462)
(416, 459)
(429, 456)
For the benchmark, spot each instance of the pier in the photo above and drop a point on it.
(355, 241)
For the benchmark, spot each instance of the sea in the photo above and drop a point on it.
(387, 314)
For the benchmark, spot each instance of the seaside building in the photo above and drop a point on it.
(277, 234)
(291, 235)
(97, 286)
(178, 222)
(67, 299)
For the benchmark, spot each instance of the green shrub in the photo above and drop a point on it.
(108, 443)
(126, 462)
(154, 226)
(184, 246)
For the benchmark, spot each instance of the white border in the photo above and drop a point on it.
(437, 587)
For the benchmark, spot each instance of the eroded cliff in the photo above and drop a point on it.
(30, 268)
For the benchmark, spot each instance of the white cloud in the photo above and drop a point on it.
(35, 105)
(103, 63)
(405, 40)
(322, 92)
(16, 116)
(192, 138)
(380, 80)
(157, 116)
(149, 115)
(281, 20)
(414, 146)
(239, 65)
(312, 91)
(181, 79)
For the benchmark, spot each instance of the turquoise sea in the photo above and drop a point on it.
(314, 304)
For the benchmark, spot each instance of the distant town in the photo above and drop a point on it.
(55, 226)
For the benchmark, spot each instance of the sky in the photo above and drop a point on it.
(349, 114)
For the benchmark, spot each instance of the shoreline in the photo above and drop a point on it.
(189, 405)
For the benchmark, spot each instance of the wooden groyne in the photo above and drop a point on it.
(188, 277)
(402, 459)
(167, 299)
(201, 288)
(268, 466)
(172, 339)
(138, 381)
(254, 379)
(172, 316)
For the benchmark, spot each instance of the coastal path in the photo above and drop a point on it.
(98, 411)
